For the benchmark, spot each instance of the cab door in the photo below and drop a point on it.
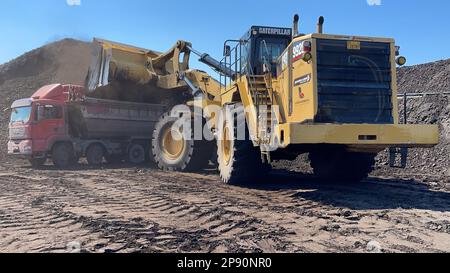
(268, 51)
(50, 125)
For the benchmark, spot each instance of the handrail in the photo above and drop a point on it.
(402, 95)
(405, 96)
(266, 62)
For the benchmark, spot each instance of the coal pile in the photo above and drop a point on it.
(432, 109)
(429, 77)
(65, 61)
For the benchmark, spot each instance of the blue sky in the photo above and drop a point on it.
(421, 27)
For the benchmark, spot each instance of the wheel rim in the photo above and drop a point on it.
(173, 143)
(137, 154)
(226, 145)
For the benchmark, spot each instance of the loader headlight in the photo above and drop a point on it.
(400, 60)
(307, 57)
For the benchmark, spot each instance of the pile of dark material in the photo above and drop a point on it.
(429, 77)
(432, 109)
(65, 61)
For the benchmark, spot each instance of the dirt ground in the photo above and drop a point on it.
(143, 210)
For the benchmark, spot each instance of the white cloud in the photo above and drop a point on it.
(374, 2)
(73, 2)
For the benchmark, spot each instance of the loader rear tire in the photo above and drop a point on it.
(172, 152)
(342, 166)
(63, 155)
(239, 160)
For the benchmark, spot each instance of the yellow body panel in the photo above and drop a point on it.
(349, 134)
(304, 97)
(304, 107)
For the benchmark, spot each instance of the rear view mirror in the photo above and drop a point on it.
(40, 113)
(227, 51)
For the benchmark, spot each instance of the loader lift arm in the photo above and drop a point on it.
(213, 63)
(116, 62)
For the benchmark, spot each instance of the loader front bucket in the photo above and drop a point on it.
(115, 62)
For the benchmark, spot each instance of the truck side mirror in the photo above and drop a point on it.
(40, 112)
(227, 51)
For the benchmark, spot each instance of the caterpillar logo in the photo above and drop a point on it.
(274, 31)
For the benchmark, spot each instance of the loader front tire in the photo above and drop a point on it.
(239, 160)
(173, 152)
(342, 166)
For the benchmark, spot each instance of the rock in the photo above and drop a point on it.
(73, 247)
(374, 247)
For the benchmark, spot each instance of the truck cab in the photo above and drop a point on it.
(37, 122)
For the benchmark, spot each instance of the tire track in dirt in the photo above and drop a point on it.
(145, 210)
(221, 224)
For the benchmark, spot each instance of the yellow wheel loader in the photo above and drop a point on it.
(279, 94)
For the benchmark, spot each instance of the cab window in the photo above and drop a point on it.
(48, 112)
(270, 51)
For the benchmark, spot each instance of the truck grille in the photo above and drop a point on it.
(354, 86)
(18, 133)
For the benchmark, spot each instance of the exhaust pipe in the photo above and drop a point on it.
(320, 25)
(295, 26)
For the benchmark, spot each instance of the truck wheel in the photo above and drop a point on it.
(341, 165)
(136, 154)
(172, 152)
(239, 160)
(114, 159)
(63, 155)
(38, 162)
(95, 154)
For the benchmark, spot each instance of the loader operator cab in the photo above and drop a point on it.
(263, 45)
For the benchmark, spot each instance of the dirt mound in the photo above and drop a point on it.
(429, 77)
(65, 61)
(433, 109)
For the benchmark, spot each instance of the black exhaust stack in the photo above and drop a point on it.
(295, 26)
(320, 25)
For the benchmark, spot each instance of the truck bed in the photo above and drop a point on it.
(95, 118)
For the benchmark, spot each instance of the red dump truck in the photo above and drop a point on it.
(60, 123)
